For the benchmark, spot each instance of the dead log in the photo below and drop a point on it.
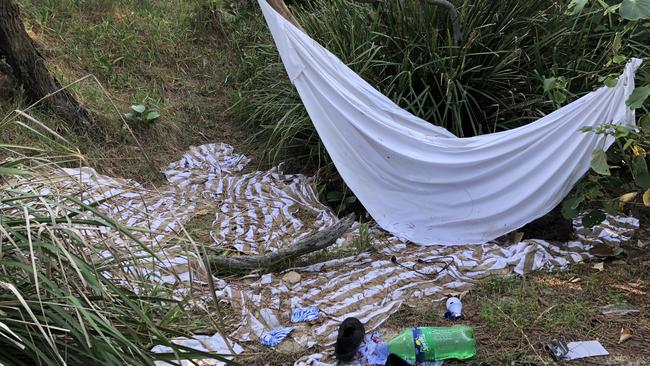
(276, 260)
(29, 69)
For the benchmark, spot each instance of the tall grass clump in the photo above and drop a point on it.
(493, 80)
(61, 302)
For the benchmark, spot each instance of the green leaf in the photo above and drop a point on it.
(152, 115)
(138, 108)
(644, 123)
(638, 165)
(599, 162)
(12, 171)
(619, 58)
(617, 42)
(570, 206)
(638, 96)
(621, 131)
(611, 9)
(611, 80)
(593, 218)
(549, 84)
(635, 9)
(576, 6)
(586, 129)
(643, 180)
(129, 115)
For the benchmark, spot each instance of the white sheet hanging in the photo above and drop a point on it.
(422, 183)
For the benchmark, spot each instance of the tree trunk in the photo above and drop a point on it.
(28, 67)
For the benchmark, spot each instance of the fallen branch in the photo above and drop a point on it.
(274, 261)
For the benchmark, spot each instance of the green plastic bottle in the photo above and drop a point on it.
(434, 343)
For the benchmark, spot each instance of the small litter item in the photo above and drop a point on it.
(274, 337)
(434, 343)
(618, 309)
(374, 352)
(557, 348)
(350, 336)
(585, 349)
(454, 309)
(307, 314)
(626, 333)
(561, 351)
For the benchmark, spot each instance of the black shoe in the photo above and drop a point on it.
(351, 333)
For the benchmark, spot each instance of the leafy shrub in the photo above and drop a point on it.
(619, 179)
(141, 115)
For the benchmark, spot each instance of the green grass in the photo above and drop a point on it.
(61, 300)
(166, 55)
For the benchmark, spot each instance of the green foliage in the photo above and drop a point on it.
(635, 9)
(141, 115)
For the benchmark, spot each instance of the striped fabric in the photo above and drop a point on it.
(257, 212)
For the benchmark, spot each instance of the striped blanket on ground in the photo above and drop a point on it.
(260, 211)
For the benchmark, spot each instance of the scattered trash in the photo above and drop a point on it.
(454, 309)
(561, 351)
(585, 349)
(304, 314)
(558, 349)
(291, 277)
(373, 351)
(350, 336)
(600, 266)
(274, 337)
(575, 279)
(618, 309)
(212, 344)
(434, 343)
(626, 333)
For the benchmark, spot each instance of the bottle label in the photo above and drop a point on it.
(421, 346)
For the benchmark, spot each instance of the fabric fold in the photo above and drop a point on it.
(422, 183)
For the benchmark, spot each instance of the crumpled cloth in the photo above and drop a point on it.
(275, 336)
(304, 314)
(422, 183)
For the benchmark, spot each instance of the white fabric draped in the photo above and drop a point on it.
(422, 183)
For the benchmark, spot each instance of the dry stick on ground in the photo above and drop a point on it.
(274, 261)
(28, 67)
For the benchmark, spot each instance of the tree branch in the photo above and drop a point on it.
(453, 15)
(317, 241)
(281, 8)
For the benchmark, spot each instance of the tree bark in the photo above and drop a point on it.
(28, 67)
(274, 261)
